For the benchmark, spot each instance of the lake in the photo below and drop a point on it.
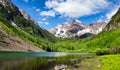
(41, 60)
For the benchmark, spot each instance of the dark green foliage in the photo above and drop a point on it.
(113, 50)
(101, 52)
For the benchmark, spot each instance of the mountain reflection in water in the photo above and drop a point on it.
(40, 61)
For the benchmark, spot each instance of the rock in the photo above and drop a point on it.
(60, 67)
(25, 15)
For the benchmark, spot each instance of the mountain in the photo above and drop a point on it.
(114, 23)
(108, 38)
(77, 29)
(21, 30)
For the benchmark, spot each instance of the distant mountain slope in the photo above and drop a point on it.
(77, 29)
(21, 25)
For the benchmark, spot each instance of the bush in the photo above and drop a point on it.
(101, 52)
(114, 50)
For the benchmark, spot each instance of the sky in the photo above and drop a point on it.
(50, 13)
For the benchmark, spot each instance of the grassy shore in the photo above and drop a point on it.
(105, 62)
(108, 62)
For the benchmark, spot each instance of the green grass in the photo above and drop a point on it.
(108, 62)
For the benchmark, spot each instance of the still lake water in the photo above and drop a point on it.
(40, 60)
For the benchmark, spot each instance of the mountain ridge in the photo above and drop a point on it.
(76, 29)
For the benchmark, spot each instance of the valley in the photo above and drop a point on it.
(97, 44)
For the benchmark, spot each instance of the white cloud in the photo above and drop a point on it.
(48, 13)
(25, 1)
(76, 8)
(43, 19)
(111, 13)
(37, 10)
(51, 4)
(46, 23)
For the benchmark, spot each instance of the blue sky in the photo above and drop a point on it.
(49, 13)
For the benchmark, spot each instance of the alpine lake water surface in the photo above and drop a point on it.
(41, 60)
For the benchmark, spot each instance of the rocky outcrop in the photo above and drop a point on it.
(6, 3)
(60, 67)
(25, 15)
(77, 29)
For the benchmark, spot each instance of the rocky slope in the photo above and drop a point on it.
(26, 16)
(13, 43)
(77, 29)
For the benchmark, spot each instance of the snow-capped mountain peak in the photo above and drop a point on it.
(76, 20)
(76, 28)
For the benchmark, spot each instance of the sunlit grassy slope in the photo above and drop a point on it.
(108, 62)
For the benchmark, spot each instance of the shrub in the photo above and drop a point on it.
(101, 52)
(114, 50)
